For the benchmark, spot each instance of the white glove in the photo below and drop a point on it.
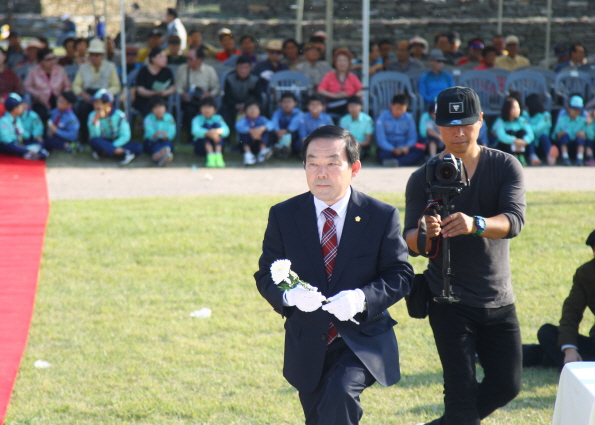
(346, 304)
(303, 299)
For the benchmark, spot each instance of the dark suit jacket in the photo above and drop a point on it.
(372, 256)
(582, 295)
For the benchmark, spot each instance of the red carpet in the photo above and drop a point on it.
(23, 216)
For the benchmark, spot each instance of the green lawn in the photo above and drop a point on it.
(120, 278)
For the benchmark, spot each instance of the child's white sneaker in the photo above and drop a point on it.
(264, 154)
(249, 158)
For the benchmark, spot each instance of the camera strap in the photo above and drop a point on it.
(422, 231)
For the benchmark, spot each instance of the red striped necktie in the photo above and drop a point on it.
(329, 245)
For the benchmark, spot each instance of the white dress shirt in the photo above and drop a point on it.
(340, 207)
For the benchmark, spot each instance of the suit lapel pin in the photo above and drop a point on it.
(357, 218)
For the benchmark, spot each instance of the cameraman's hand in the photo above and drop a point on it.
(457, 224)
(432, 226)
(303, 299)
(572, 355)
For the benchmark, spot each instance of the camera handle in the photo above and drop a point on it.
(447, 295)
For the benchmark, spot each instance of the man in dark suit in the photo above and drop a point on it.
(333, 351)
(563, 344)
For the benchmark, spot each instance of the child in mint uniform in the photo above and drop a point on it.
(571, 131)
(11, 131)
(32, 127)
(513, 132)
(160, 131)
(109, 130)
(358, 123)
(208, 133)
(541, 123)
(63, 125)
(428, 131)
(286, 140)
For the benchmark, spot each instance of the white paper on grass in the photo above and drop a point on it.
(203, 313)
(41, 364)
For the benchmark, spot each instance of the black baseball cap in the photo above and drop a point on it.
(457, 106)
(591, 239)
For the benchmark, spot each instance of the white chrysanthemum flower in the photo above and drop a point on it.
(280, 270)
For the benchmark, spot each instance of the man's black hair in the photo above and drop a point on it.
(208, 101)
(486, 50)
(70, 97)
(573, 47)
(249, 37)
(401, 99)
(293, 41)
(172, 12)
(384, 41)
(333, 132)
(42, 53)
(193, 31)
(441, 34)
(317, 39)
(68, 40)
(289, 95)
(243, 59)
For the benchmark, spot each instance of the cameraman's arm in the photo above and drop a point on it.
(432, 231)
(497, 227)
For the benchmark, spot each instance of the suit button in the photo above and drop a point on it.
(323, 336)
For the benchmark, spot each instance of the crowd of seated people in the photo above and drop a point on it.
(221, 99)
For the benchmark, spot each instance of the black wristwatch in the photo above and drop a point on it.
(480, 223)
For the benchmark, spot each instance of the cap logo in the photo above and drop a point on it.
(456, 108)
(456, 122)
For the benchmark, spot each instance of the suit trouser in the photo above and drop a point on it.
(461, 331)
(548, 352)
(336, 399)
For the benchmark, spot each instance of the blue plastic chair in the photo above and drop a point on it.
(384, 85)
(501, 75)
(529, 82)
(572, 82)
(287, 81)
(487, 87)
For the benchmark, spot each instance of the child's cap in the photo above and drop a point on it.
(12, 101)
(576, 102)
(104, 96)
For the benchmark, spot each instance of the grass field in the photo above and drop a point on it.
(120, 278)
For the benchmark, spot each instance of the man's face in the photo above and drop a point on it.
(243, 70)
(513, 49)
(402, 51)
(315, 108)
(81, 48)
(69, 47)
(174, 49)
(312, 54)
(154, 41)
(436, 66)
(397, 110)
(291, 51)
(130, 57)
(96, 59)
(287, 105)
(417, 49)
(385, 50)
(196, 39)
(498, 43)
(578, 55)
(274, 55)
(490, 58)
(327, 171)
(228, 43)
(159, 111)
(247, 46)
(192, 60)
(443, 44)
(459, 139)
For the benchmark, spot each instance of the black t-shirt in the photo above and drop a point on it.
(480, 265)
(161, 81)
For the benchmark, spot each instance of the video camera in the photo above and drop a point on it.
(446, 176)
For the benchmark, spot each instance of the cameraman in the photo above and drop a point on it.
(484, 218)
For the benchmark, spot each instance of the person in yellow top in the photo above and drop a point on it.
(92, 76)
(512, 60)
(153, 40)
